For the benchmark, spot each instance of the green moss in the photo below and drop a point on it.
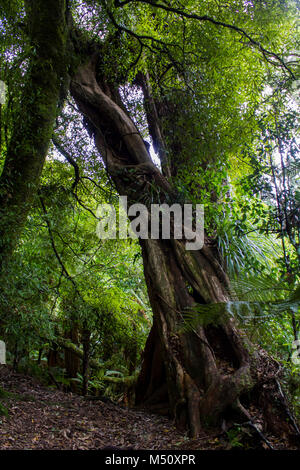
(34, 118)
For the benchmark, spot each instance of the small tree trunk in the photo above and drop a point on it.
(72, 361)
(16, 357)
(86, 342)
(131, 356)
(40, 355)
(53, 356)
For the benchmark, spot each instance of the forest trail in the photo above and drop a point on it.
(43, 418)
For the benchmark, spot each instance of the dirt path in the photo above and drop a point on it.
(42, 418)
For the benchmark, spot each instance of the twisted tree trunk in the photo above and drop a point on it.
(198, 377)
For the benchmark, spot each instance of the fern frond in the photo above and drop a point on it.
(260, 289)
(258, 303)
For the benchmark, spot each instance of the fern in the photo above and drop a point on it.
(240, 252)
(252, 298)
(262, 289)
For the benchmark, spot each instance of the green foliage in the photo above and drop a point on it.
(251, 297)
(3, 409)
(234, 436)
(261, 305)
(225, 105)
(104, 290)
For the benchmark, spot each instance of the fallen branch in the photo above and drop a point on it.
(67, 344)
(128, 380)
(287, 408)
(252, 424)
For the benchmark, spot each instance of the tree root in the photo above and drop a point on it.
(251, 423)
(286, 407)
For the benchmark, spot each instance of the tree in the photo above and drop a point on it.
(180, 371)
(46, 40)
(199, 377)
(276, 182)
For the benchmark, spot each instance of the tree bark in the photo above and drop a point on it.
(197, 377)
(86, 342)
(33, 121)
(72, 362)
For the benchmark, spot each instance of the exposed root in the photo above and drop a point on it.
(251, 423)
(287, 408)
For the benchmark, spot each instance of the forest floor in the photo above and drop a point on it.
(43, 418)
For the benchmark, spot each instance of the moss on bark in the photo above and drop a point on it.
(34, 118)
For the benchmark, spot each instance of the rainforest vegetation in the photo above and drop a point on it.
(164, 102)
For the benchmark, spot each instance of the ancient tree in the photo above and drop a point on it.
(198, 377)
(212, 373)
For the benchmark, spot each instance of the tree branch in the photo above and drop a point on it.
(70, 159)
(194, 16)
(64, 269)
